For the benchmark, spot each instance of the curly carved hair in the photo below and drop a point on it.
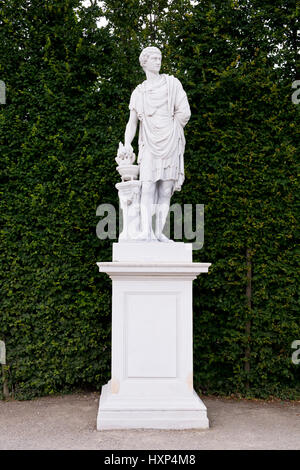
(146, 53)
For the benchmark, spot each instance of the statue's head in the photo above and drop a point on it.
(150, 59)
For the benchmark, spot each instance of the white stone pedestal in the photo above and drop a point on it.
(152, 339)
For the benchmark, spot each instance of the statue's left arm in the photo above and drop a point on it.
(182, 111)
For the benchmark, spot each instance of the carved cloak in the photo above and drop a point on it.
(161, 136)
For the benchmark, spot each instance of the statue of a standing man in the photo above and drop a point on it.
(160, 105)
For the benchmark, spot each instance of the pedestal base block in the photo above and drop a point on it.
(150, 414)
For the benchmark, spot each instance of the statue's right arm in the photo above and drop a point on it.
(130, 129)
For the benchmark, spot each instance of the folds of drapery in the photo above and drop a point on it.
(162, 137)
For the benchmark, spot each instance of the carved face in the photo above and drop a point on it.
(153, 63)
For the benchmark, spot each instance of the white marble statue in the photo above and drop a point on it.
(151, 383)
(161, 107)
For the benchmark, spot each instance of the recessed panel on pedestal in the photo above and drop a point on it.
(151, 334)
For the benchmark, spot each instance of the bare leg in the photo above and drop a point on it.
(147, 203)
(165, 190)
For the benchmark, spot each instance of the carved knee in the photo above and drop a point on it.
(148, 189)
(165, 192)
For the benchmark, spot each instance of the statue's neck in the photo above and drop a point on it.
(152, 77)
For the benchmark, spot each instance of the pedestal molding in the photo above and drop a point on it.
(141, 271)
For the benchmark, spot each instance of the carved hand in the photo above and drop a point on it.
(128, 148)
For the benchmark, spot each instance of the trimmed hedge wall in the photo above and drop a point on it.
(68, 87)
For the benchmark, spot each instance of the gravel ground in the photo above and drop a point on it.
(69, 422)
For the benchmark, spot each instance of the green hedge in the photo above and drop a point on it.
(68, 87)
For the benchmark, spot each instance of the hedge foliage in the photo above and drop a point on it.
(68, 83)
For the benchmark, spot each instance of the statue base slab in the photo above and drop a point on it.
(152, 413)
(152, 339)
(152, 251)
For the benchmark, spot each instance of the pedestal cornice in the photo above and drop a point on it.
(143, 269)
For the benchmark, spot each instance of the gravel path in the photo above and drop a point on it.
(69, 422)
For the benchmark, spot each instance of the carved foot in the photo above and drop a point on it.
(146, 237)
(162, 238)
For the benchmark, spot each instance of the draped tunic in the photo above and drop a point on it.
(163, 111)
